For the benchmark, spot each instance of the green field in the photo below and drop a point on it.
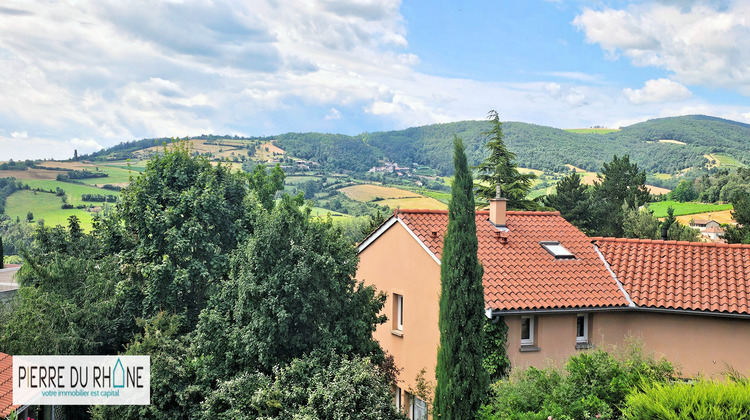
(72, 191)
(725, 160)
(117, 175)
(321, 212)
(592, 130)
(43, 206)
(660, 208)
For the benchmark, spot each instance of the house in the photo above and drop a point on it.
(561, 292)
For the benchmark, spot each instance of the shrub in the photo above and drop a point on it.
(591, 385)
(700, 400)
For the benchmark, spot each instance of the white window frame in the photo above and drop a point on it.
(413, 408)
(398, 398)
(528, 341)
(585, 337)
(400, 312)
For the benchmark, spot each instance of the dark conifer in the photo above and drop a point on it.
(461, 379)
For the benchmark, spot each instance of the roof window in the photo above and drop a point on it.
(557, 250)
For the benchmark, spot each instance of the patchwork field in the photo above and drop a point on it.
(31, 174)
(392, 197)
(43, 206)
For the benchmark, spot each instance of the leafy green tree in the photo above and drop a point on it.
(496, 361)
(461, 378)
(684, 192)
(29, 216)
(640, 223)
(739, 234)
(572, 200)
(178, 385)
(178, 223)
(498, 173)
(291, 291)
(267, 184)
(620, 182)
(319, 386)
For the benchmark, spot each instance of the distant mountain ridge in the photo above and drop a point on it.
(537, 147)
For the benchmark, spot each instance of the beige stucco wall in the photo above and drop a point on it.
(698, 344)
(396, 263)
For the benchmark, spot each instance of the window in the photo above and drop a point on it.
(398, 398)
(557, 250)
(398, 314)
(582, 328)
(527, 331)
(417, 409)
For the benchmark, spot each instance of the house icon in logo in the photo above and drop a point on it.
(118, 375)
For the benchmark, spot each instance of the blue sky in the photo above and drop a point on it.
(83, 75)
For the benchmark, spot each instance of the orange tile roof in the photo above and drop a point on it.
(682, 275)
(520, 274)
(6, 385)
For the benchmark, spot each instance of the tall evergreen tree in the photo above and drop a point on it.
(499, 174)
(739, 234)
(461, 378)
(2, 253)
(571, 200)
(620, 186)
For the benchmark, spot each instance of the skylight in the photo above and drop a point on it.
(557, 250)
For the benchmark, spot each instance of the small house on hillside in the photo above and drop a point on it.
(561, 292)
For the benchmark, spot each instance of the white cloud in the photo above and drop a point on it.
(700, 43)
(333, 114)
(657, 91)
(19, 134)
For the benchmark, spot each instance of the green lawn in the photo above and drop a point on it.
(591, 130)
(43, 206)
(660, 208)
(72, 191)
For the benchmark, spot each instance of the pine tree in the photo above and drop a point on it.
(499, 174)
(461, 378)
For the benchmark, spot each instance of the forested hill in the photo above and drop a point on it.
(665, 145)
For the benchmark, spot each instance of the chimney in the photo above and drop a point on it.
(497, 211)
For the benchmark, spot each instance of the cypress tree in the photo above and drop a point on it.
(461, 379)
(2, 253)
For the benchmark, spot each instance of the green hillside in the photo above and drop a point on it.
(691, 139)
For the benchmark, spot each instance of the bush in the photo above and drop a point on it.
(591, 385)
(699, 400)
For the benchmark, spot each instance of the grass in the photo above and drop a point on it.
(725, 160)
(591, 130)
(414, 203)
(43, 206)
(321, 212)
(660, 208)
(72, 191)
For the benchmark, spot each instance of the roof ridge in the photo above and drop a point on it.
(480, 212)
(670, 242)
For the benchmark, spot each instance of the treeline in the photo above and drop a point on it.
(18, 165)
(80, 174)
(722, 186)
(100, 198)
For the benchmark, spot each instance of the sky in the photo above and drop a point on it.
(82, 75)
